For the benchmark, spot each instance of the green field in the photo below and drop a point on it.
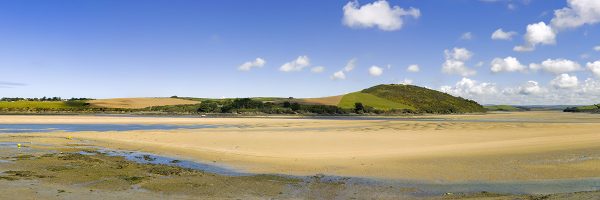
(41, 105)
(349, 100)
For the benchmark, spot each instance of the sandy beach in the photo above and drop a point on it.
(452, 148)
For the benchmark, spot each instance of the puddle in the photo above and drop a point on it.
(148, 158)
(38, 128)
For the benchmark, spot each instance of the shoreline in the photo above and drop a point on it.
(369, 148)
(453, 154)
(409, 188)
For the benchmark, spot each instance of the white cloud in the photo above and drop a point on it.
(375, 71)
(339, 75)
(576, 14)
(406, 82)
(585, 92)
(565, 81)
(466, 36)
(296, 65)
(529, 88)
(597, 48)
(501, 35)
(591, 88)
(413, 68)
(508, 64)
(479, 64)
(247, 66)
(556, 66)
(455, 62)
(539, 33)
(377, 14)
(468, 88)
(350, 65)
(594, 67)
(317, 69)
(461, 54)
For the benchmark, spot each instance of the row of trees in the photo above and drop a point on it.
(251, 106)
(588, 109)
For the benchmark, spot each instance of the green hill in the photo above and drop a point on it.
(410, 97)
(349, 100)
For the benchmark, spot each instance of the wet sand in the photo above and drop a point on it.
(454, 148)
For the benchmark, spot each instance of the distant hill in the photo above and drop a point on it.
(410, 97)
(380, 99)
(504, 108)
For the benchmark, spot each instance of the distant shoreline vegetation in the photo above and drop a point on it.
(585, 109)
(390, 99)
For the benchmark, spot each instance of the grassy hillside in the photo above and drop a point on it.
(367, 99)
(503, 108)
(418, 99)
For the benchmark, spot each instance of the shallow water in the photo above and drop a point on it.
(40, 128)
(148, 158)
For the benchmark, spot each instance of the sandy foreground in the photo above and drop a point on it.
(502, 147)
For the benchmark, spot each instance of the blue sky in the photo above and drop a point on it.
(103, 49)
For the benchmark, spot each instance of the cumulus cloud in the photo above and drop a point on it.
(377, 14)
(339, 75)
(413, 68)
(466, 36)
(539, 33)
(455, 62)
(317, 69)
(256, 63)
(556, 66)
(564, 81)
(508, 64)
(597, 48)
(567, 92)
(469, 88)
(576, 14)
(594, 67)
(529, 88)
(296, 65)
(501, 35)
(375, 71)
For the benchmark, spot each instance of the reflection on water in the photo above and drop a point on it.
(37, 128)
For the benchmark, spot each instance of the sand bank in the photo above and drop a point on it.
(390, 149)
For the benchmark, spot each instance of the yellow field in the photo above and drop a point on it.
(332, 100)
(139, 102)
